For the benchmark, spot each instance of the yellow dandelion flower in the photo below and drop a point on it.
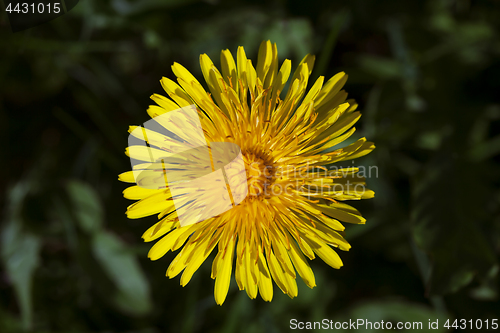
(292, 208)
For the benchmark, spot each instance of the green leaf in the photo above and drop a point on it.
(292, 36)
(486, 149)
(123, 268)
(20, 254)
(338, 23)
(383, 68)
(448, 214)
(125, 7)
(86, 205)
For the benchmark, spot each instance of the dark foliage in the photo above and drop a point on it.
(426, 75)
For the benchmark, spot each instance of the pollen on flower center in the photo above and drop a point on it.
(259, 175)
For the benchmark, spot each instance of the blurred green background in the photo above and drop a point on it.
(425, 73)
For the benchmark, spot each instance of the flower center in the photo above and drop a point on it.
(259, 175)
